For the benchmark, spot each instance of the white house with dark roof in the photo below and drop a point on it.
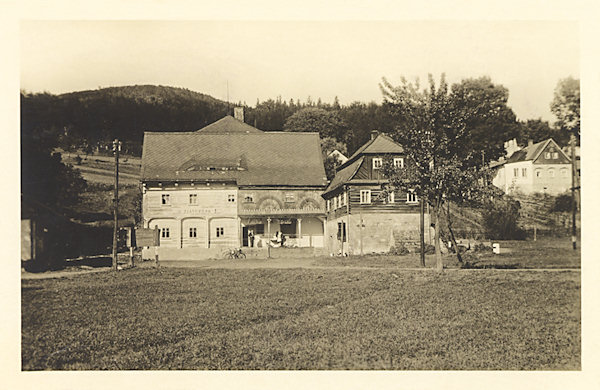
(231, 185)
(359, 219)
(541, 167)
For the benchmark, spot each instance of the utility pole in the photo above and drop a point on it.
(268, 238)
(116, 150)
(422, 231)
(573, 189)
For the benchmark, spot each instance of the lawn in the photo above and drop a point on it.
(544, 253)
(193, 318)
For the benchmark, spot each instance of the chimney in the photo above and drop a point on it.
(374, 134)
(238, 113)
(530, 142)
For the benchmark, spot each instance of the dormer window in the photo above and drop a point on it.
(377, 163)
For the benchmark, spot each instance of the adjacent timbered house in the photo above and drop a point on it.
(361, 220)
(231, 185)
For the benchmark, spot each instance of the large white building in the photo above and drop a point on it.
(232, 185)
(541, 167)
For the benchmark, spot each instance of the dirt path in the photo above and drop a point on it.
(61, 274)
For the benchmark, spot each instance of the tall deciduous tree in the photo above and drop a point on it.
(433, 129)
(313, 119)
(538, 130)
(565, 105)
(489, 121)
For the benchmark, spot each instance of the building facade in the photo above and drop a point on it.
(361, 218)
(231, 185)
(538, 168)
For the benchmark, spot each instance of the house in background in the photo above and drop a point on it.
(542, 167)
(339, 156)
(231, 185)
(359, 218)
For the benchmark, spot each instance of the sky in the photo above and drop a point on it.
(250, 60)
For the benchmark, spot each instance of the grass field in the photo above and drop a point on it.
(193, 318)
(543, 253)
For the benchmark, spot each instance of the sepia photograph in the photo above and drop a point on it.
(300, 195)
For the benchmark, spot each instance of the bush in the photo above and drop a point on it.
(399, 250)
(500, 221)
(563, 202)
(481, 248)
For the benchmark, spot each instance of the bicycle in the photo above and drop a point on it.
(235, 253)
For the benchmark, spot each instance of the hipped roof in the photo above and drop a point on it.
(248, 157)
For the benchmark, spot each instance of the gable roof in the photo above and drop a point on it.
(379, 145)
(344, 175)
(229, 125)
(532, 152)
(254, 158)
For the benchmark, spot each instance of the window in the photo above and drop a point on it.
(377, 163)
(231, 198)
(365, 196)
(165, 199)
(220, 232)
(398, 162)
(340, 198)
(563, 172)
(551, 172)
(345, 198)
(335, 206)
(341, 233)
(411, 197)
(249, 198)
(289, 198)
(193, 198)
(538, 173)
(554, 155)
(165, 233)
(515, 172)
(390, 197)
(193, 232)
(547, 155)
(328, 204)
(524, 172)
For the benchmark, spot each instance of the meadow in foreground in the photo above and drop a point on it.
(303, 319)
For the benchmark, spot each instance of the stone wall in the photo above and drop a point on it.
(380, 232)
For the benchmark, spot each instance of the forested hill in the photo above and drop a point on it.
(88, 119)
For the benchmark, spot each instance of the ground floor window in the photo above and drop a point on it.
(165, 233)
(341, 234)
(193, 232)
(220, 232)
(411, 197)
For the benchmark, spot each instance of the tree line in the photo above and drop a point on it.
(90, 120)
